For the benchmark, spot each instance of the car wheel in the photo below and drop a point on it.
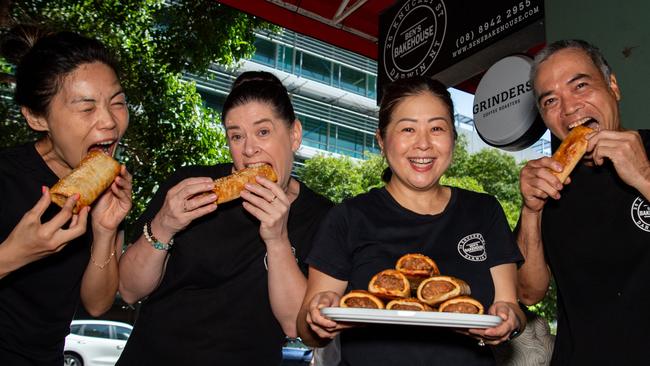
(71, 359)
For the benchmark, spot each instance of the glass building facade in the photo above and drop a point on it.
(334, 93)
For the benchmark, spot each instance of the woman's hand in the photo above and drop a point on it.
(269, 204)
(32, 240)
(322, 326)
(190, 199)
(500, 333)
(114, 204)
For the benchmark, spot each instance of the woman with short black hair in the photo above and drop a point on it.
(51, 259)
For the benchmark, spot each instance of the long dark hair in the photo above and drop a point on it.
(43, 59)
(260, 86)
(395, 92)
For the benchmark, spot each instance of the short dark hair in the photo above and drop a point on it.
(592, 51)
(396, 91)
(43, 59)
(260, 86)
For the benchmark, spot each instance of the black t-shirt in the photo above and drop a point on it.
(37, 301)
(597, 242)
(212, 306)
(368, 233)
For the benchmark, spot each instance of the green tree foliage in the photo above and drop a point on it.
(338, 178)
(497, 173)
(155, 43)
(468, 183)
(460, 159)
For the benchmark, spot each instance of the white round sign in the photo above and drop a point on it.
(505, 114)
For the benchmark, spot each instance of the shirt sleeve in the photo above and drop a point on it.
(500, 242)
(330, 251)
(308, 212)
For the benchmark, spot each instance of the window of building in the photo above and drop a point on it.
(349, 142)
(285, 58)
(316, 68)
(264, 52)
(372, 87)
(353, 80)
(314, 132)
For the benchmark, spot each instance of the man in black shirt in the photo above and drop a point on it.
(592, 233)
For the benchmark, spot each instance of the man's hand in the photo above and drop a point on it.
(537, 183)
(626, 151)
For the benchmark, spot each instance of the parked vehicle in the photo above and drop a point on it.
(296, 353)
(95, 342)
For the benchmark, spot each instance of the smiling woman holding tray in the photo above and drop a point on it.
(465, 232)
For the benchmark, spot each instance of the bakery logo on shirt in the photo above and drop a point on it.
(472, 247)
(641, 214)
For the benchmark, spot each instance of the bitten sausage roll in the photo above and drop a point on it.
(390, 284)
(571, 151)
(229, 188)
(437, 289)
(94, 174)
(410, 303)
(461, 304)
(360, 299)
(417, 267)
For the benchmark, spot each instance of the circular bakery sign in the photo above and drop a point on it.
(414, 38)
(505, 113)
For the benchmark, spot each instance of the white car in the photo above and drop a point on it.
(95, 342)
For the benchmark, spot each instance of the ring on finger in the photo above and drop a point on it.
(481, 342)
(272, 200)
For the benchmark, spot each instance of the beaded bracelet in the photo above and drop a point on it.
(157, 244)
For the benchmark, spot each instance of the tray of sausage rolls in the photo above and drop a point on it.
(414, 293)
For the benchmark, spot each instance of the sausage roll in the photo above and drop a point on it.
(437, 289)
(229, 188)
(417, 267)
(390, 284)
(410, 303)
(94, 174)
(571, 151)
(462, 304)
(360, 299)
